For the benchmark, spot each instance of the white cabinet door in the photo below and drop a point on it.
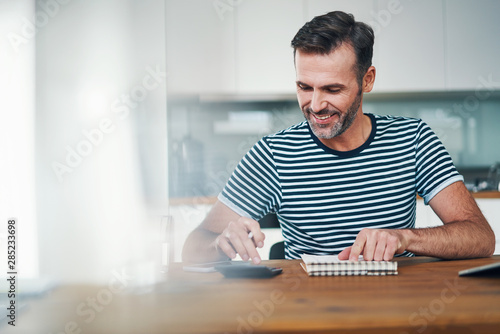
(226, 47)
(422, 213)
(408, 54)
(200, 47)
(363, 10)
(489, 207)
(472, 44)
(264, 57)
(410, 46)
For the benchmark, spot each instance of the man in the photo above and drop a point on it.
(343, 182)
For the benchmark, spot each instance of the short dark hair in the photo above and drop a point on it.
(323, 34)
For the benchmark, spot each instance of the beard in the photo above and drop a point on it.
(327, 131)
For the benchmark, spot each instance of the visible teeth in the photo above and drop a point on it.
(324, 117)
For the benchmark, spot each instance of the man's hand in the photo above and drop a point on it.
(241, 237)
(375, 244)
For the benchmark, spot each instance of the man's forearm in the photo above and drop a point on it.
(200, 247)
(462, 239)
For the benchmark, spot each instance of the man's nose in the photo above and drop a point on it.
(318, 102)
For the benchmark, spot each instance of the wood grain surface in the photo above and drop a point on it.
(427, 296)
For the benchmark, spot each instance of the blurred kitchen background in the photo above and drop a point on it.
(231, 78)
(231, 81)
(120, 113)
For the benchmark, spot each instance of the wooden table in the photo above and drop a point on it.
(426, 297)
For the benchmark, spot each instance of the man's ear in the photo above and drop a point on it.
(369, 79)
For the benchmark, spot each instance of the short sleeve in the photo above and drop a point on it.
(434, 167)
(253, 189)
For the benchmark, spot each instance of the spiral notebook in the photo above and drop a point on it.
(330, 265)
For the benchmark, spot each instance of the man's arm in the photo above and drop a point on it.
(222, 234)
(465, 233)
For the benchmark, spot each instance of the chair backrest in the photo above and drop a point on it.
(269, 221)
(277, 251)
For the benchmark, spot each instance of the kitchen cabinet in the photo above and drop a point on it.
(472, 44)
(265, 60)
(264, 57)
(428, 45)
(185, 218)
(243, 47)
(489, 207)
(439, 46)
(410, 45)
(400, 34)
(200, 47)
(361, 9)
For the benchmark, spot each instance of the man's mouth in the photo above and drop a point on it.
(322, 117)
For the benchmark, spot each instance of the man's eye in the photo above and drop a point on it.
(302, 87)
(333, 91)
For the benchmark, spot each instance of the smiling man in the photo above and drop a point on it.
(343, 182)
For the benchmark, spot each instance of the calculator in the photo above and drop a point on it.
(248, 271)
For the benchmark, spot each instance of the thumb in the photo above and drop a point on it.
(344, 255)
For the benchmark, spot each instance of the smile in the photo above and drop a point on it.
(322, 117)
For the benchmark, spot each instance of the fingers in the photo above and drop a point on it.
(390, 250)
(255, 233)
(358, 246)
(371, 249)
(375, 245)
(344, 255)
(380, 250)
(242, 237)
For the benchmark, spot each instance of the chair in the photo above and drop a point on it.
(277, 251)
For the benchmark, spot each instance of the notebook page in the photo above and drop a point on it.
(308, 258)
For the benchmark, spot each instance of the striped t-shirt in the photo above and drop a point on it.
(323, 197)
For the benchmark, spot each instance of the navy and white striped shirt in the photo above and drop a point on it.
(323, 197)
